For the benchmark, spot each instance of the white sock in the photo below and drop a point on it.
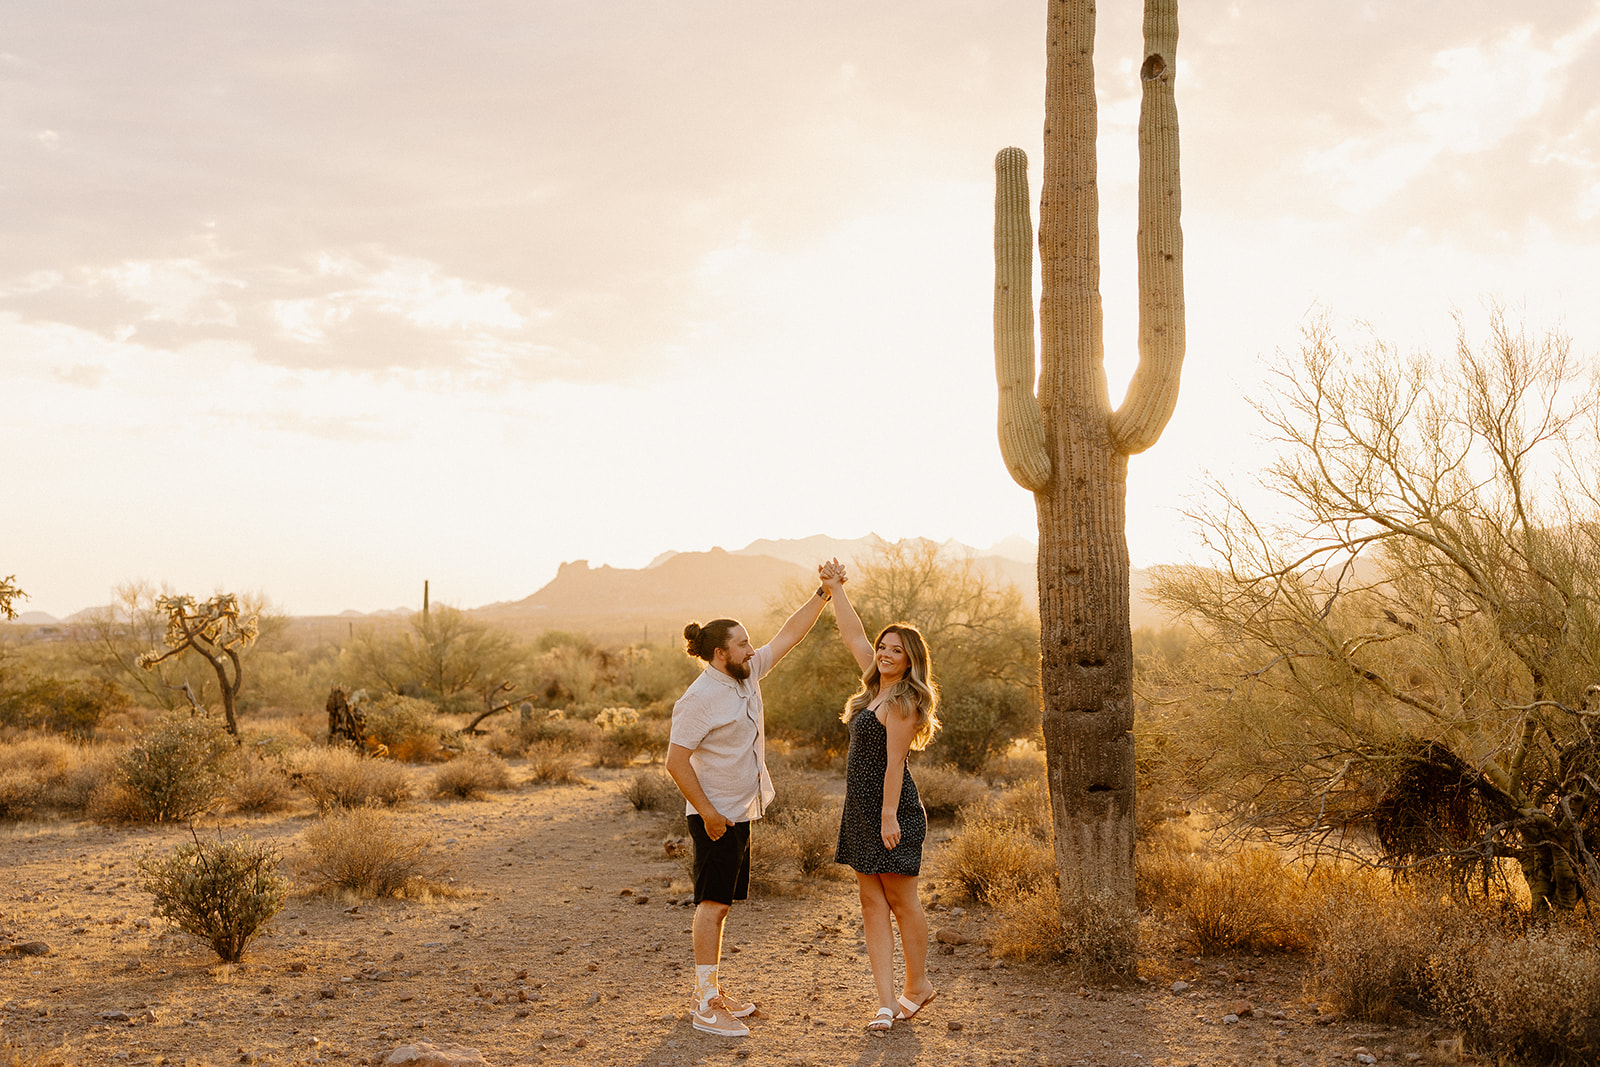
(705, 983)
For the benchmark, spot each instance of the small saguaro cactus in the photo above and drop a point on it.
(1070, 448)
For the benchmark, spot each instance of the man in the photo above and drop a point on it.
(718, 758)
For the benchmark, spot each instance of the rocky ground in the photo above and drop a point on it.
(570, 945)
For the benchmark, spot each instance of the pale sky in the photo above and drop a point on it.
(323, 299)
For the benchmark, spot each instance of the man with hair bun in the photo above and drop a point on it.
(718, 758)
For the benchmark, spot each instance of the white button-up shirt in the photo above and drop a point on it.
(720, 720)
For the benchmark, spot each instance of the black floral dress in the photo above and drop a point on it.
(861, 828)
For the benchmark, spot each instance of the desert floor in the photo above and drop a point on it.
(571, 946)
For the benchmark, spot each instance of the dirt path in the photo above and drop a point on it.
(546, 961)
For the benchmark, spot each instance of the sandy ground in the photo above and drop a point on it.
(605, 976)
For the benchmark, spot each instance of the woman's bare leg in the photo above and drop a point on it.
(879, 931)
(900, 891)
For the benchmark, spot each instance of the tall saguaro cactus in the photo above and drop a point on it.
(1070, 447)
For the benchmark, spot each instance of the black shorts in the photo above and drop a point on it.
(721, 867)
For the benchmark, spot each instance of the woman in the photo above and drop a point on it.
(881, 832)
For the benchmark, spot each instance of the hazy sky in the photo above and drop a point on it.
(323, 299)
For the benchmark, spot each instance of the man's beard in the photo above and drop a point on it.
(739, 671)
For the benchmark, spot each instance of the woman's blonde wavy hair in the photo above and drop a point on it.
(916, 688)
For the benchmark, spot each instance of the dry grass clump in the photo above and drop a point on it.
(994, 856)
(471, 775)
(551, 763)
(366, 852)
(20, 791)
(946, 790)
(1534, 996)
(653, 791)
(798, 792)
(1089, 938)
(1371, 944)
(14, 1055)
(342, 778)
(1023, 761)
(1246, 901)
(793, 846)
(406, 726)
(259, 786)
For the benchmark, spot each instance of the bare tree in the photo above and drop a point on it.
(1410, 652)
(218, 633)
(9, 594)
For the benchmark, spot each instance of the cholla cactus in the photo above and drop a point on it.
(614, 719)
(1069, 447)
(218, 632)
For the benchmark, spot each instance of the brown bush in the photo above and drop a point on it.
(406, 726)
(1533, 995)
(552, 763)
(993, 855)
(20, 791)
(1245, 901)
(366, 852)
(947, 790)
(1088, 940)
(341, 778)
(471, 775)
(798, 792)
(1371, 945)
(653, 791)
(791, 847)
(258, 785)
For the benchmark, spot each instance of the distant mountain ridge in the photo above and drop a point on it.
(746, 583)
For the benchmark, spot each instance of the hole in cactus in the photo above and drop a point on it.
(1099, 789)
(1087, 711)
(1154, 67)
(1089, 663)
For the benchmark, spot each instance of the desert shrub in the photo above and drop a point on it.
(65, 772)
(223, 892)
(26, 1055)
(19, 794)
(653, 791)
(471, 775)
(62, 706)
(1021, 761)
(980, 719)
(1532, 995)
(407, 726)
(1089, 939)
(177, 770)
(813, 837)
(1246, 901)
(552, 763)
(343, 778)
(1371, 945)
(367, 852)
(946, 790)
(993, 856)
(797, 793)
(259, 785)
(548, 728)
(624, 736)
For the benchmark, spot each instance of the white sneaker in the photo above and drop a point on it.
(714, 1020)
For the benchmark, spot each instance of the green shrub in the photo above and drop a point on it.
(653, 791)
(62, 706)
(407, 727)
(980, 720)
(471, 775)
(343, 778)
(366, 852)
(223, 892)
(177, 770)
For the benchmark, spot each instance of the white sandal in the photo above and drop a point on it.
(882, 1022)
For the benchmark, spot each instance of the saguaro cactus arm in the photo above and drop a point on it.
(1022, 442)
(1153, 393)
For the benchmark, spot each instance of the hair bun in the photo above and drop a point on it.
(691, 633)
